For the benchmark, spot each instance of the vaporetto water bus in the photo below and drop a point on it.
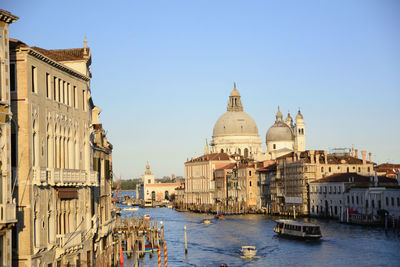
(297, 229)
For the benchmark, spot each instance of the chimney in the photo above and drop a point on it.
(312, 156)
(356, 153)
(370, 156)
(398, 177)
(364, 155)
(352, 152)
(317, 158)
(298, 155)
(326, 156)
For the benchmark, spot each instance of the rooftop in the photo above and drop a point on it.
(356, 178)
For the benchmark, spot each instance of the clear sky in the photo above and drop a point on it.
(163, 70)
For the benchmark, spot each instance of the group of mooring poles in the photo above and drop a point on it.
(138, 236)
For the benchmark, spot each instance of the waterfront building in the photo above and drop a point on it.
(7, 184)
(266, 175)
(200, 177)
(149, 189)
(341, 193)
(248, 182)
(180, 195)
(102, 195)
(222, 175)
(51, 129)
(295, 171)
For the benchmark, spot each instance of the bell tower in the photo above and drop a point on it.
(300, 133)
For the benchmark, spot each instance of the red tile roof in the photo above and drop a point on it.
(64, 54)
(227, 167)
(356, 178)
(208, 157)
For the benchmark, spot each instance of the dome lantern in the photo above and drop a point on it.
(234, 103)
(279, 116)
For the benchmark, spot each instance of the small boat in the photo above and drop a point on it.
(206, 221)
(297, 229)
(248, 251)
(220, 216)
(147, 217)
(131, 209)
(169, 206)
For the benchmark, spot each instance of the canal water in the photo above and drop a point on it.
(220, 242)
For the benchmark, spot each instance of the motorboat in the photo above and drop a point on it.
(297, 229)
(206, 221)
(249, 251)
(220, 216)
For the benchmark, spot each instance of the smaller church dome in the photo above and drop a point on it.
(279, 132)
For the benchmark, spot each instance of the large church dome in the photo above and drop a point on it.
(235, 132)
(235, 123)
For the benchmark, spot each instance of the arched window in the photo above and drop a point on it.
(34, 144)
(222, 150)
(166, 195)
(246, 152)
(274, 146)
(239, 151)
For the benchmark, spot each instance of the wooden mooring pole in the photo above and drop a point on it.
(186, 249)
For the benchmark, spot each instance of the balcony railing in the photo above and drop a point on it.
(44, 176)
(69, 240)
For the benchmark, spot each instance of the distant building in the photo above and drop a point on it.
(51, 129)
(388, 169)
(200, 179)
(339, 194)
(149, 189)
(7, 183)
(266, 175)
(295, 171)
(221, 179)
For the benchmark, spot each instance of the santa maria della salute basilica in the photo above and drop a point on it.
(235, 132)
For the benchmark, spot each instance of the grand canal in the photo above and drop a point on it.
(219, 242)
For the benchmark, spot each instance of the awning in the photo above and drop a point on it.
(67, 192)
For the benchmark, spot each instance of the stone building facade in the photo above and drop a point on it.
(149, 189)
(102, 195)
(200, 179)
(294, 171)
(339, 194)
(7, 201)
(52, 157)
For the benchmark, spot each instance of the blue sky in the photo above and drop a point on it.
(163, 70)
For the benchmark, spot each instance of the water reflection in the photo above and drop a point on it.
(220, 242)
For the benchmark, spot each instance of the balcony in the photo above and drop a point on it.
(8, 213)
(63, 177)
(69, 240)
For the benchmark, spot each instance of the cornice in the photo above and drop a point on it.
(59, 66)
